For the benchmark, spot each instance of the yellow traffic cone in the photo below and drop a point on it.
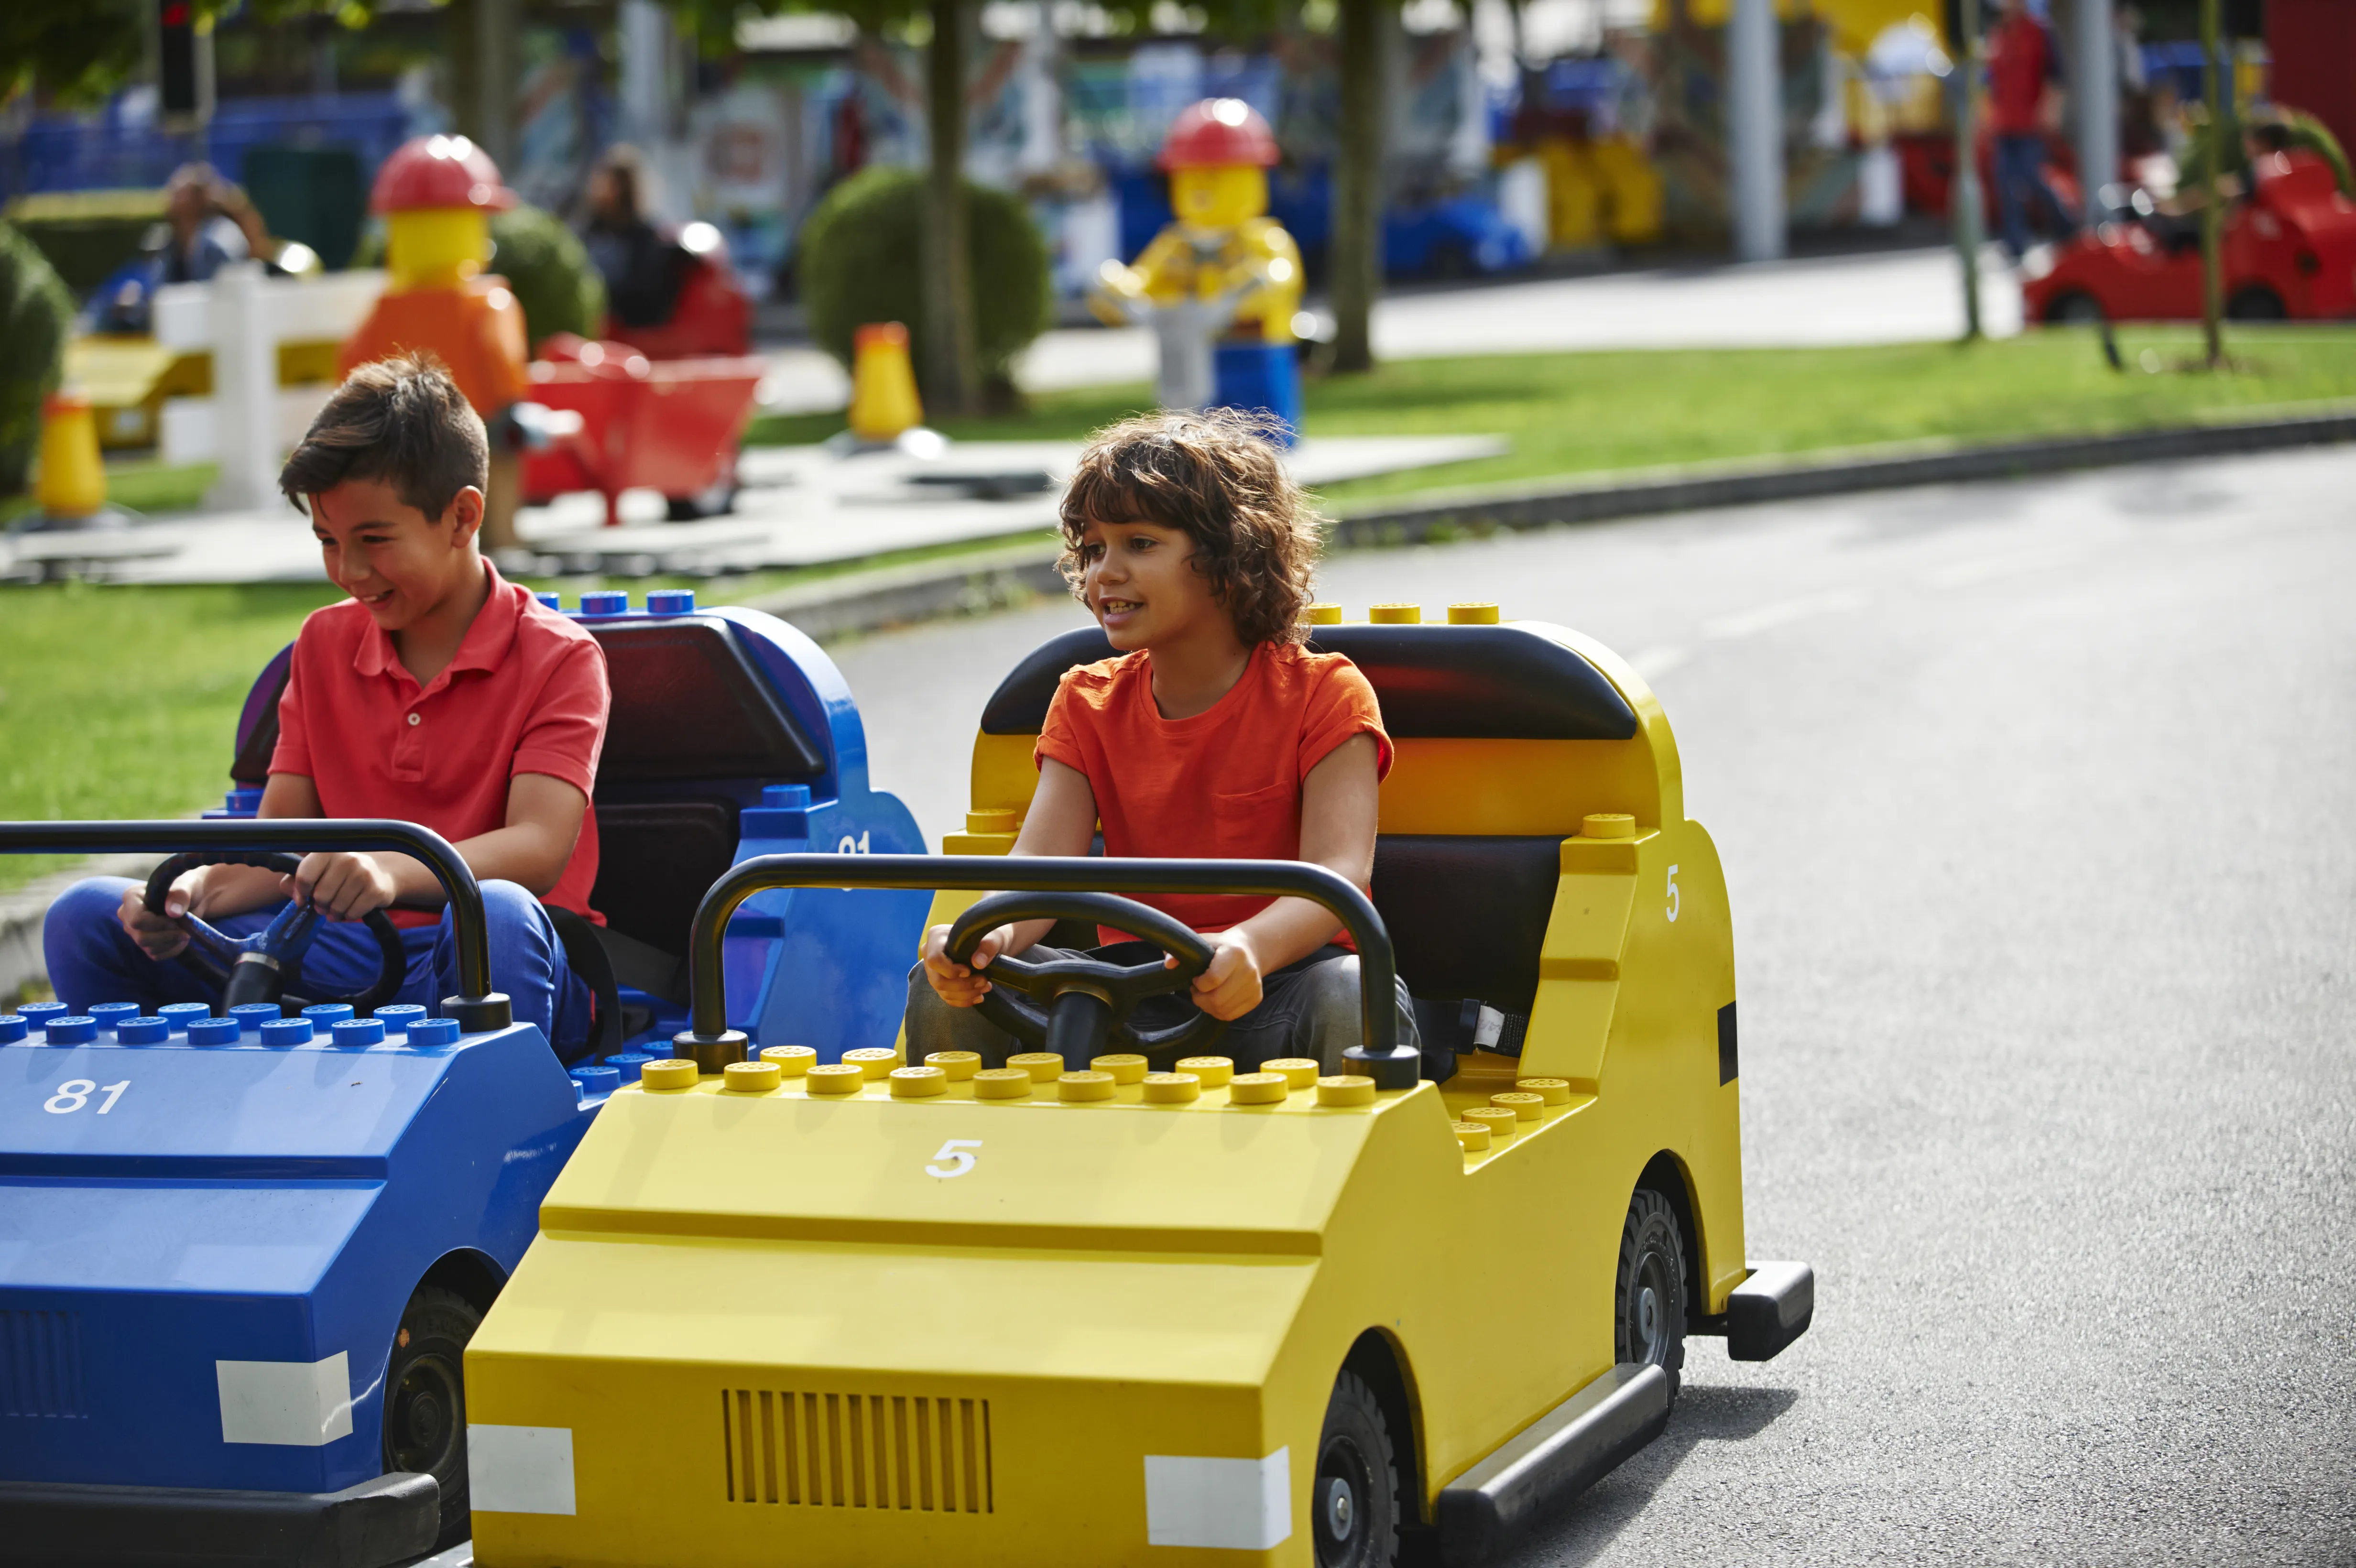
(73, 480)
(884, 402)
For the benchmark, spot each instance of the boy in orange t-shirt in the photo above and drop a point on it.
(1214, 735)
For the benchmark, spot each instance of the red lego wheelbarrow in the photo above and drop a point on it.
(671, 425)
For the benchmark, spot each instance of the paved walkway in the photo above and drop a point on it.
(801, 506)
(1901, 296)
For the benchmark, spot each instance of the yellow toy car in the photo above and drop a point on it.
(1096, 1313)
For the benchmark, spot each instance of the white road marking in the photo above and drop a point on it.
(1782, 613)
(2013, 563)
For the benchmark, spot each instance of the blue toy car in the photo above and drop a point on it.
(241, 1257)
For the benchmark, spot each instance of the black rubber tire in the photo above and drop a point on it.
(2076, 308)
(1649, 1296)
(426, 1399)
(1358, 1529)
(2256, 302)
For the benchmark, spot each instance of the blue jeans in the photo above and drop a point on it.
(92, 959)
(2019, 177)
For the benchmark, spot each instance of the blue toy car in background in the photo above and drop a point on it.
(240, 1261)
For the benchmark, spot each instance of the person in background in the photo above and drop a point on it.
(196, 200)
(643, 271)
(2022, 66)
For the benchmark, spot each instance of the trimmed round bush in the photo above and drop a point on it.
(860, 265)
(545, 265)
(36, 317)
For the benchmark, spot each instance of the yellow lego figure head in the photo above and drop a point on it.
(1217, 156)
(437, 194)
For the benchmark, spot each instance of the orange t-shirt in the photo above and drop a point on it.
(1223, 784)
(478, 331)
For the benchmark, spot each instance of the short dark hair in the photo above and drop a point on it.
(400, 420)
(1216, 475)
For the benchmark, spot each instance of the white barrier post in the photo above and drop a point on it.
(245, 391)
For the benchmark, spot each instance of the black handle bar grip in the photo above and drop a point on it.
(714, 1043)
(477, 1007)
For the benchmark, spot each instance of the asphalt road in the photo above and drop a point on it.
(2034, 801)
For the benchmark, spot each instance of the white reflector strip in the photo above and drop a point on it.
(296, 1405)
(520, 1469)
(1245, 1505)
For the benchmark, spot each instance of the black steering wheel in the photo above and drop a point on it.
(268, 966)
(1078, 1007)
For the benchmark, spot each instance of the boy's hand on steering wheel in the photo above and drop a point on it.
(342, 885)
(956, 983)
(1231, 987)
(161, 936)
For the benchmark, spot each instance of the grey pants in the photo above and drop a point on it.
(1308, 1008)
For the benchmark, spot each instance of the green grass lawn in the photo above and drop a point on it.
(1573, 413)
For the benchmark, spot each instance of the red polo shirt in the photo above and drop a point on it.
(2020, 62)
(525, 694)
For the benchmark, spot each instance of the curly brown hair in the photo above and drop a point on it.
(1216, 475)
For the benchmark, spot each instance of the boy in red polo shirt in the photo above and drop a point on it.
(1214, 735)
(438, 694)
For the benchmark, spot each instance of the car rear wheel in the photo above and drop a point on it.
(426, 1399)
(1649, 1316)
(1354, 1499)
(2076, 308)
(2255, 303)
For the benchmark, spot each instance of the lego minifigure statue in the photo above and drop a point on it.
(437, 193)
(1224, 272)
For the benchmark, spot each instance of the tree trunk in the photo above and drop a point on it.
(2213, 216)
(952, 376)
(481, 44)
(1355, 255)
(1964, 197)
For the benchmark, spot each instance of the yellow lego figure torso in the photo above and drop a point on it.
(1183, 262)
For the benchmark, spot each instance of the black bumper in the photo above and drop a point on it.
(388, 1519)
(1769, 1310)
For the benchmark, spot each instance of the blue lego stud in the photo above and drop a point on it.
(38, 1014)
(397, 1016)
(13, 1029)
(433, 1031)
(325, 1015)
(552, 601)
(605, 604)
(252, 1016)
(71, 1028)
(658, 1049)
(672, 602)
(110, 1014)
(286, 1031)
(598, 1080)
(626, 1065)
(146, 1030)
(784, 812)
(358, 1034)
(213, 1031)
(178, 1015)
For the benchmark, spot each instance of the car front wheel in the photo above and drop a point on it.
(1649, 1316)
(426, 1399)
(1354, 1499)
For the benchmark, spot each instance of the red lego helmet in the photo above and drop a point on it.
(1218, 132)
(439, 171)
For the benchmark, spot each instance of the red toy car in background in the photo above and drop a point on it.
(671, 425)
(2289, 254)
(713, 316)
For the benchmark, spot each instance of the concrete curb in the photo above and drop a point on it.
(21, 913)
(1841, 472)
(974, 584)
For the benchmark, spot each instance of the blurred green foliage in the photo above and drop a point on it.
(36, 317)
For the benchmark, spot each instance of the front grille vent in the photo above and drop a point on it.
(856, 1450)
(40, 1365)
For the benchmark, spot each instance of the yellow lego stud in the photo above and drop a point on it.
(1298, 1071)
(874, 1061)
(1525, 1107)
(995, 820)
(1553, 1091)
(1473, 614)
(836, 1078)
(750, 1078)
(1345, 1089)
(1473, 1137)
(793, 1061)
(884, 402)
(1044, 1066)
(1083, 1085)
(1258, 1089)
(957, 1066)
(1124, 1069)
(73, 479)
(1172, 1088)
(1212, 1072)
(1324, 615)
(670, 1074)
(1002, 1084)
(1396, 614)
(1607, 825)
(1502, 1123)
(919, 1082)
